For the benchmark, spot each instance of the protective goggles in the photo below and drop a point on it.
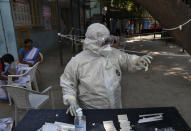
(107, 40)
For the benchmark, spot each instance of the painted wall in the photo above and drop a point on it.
(44, 39)
(7, 34)
(47, 39)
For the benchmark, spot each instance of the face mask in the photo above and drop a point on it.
(107, 47)
(7, 66)
(29, 45)
(6, 63)
(106, 50)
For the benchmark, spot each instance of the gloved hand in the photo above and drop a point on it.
(73, 106)
(144, 61)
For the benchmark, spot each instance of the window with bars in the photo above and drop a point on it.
(21, 13)
(30, 13)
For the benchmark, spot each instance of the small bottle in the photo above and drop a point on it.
(80, 121)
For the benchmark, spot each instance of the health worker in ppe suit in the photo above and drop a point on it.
(91, 79)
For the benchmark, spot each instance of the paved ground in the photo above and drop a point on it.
(167, 83)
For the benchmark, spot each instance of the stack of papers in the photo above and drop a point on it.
(6, 124)
(109, 126)
(50, 127)
(57, 126)
(125, 124)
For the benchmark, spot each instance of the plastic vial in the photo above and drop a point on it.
(80, 121)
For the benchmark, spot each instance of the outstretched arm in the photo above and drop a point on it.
(134, 62)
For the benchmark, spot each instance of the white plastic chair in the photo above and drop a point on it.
(28, 99)
(41, 57)
(41, 60)
(28, 71)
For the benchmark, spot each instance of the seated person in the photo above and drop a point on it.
(29, 55)
(5, 65)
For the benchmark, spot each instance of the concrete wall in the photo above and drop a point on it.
(7, 34)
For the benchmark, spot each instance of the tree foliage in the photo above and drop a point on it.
(130, 6)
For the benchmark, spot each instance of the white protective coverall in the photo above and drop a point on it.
(93, 76)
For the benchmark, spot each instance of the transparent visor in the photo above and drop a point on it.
(107, 40)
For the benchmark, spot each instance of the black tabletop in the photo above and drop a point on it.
(34, 119)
